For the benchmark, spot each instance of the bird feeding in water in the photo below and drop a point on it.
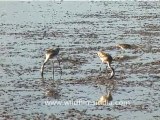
(50, 54)
(124, 46)
(106, 59)
(132, 46)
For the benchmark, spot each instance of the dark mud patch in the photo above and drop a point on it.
(69, 114)
(124, 58)
(150, 68)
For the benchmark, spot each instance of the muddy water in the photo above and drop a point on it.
(80, 29)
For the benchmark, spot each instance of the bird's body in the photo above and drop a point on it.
(106, 59)
(124, 46)
(51, 53)
(133, 47)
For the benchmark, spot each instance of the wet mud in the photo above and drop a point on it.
(80, 29)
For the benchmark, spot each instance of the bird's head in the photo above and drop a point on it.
(117, 46)
(100, 51)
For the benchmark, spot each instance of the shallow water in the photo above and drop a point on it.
(80, 29)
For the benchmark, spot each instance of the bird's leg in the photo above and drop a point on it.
(53, 69)
(107, 67)
(59, 65)
(106, 89)
(42, 69)
(100, 88)
(100, 67)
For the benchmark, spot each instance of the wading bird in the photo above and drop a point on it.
(128, 46)
(124, 46)
(106, 59)
(51, 53)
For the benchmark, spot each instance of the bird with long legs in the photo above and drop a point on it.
(50, 54)
(106, 59)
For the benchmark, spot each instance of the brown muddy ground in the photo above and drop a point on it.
(80, 29)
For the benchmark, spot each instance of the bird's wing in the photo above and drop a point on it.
(104, 54)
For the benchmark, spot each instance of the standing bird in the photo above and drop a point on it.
(106, 59)
(51, 53)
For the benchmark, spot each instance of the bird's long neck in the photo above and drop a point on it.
(112, 73)
(46, 60)
(42, 69)
(109, 65)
